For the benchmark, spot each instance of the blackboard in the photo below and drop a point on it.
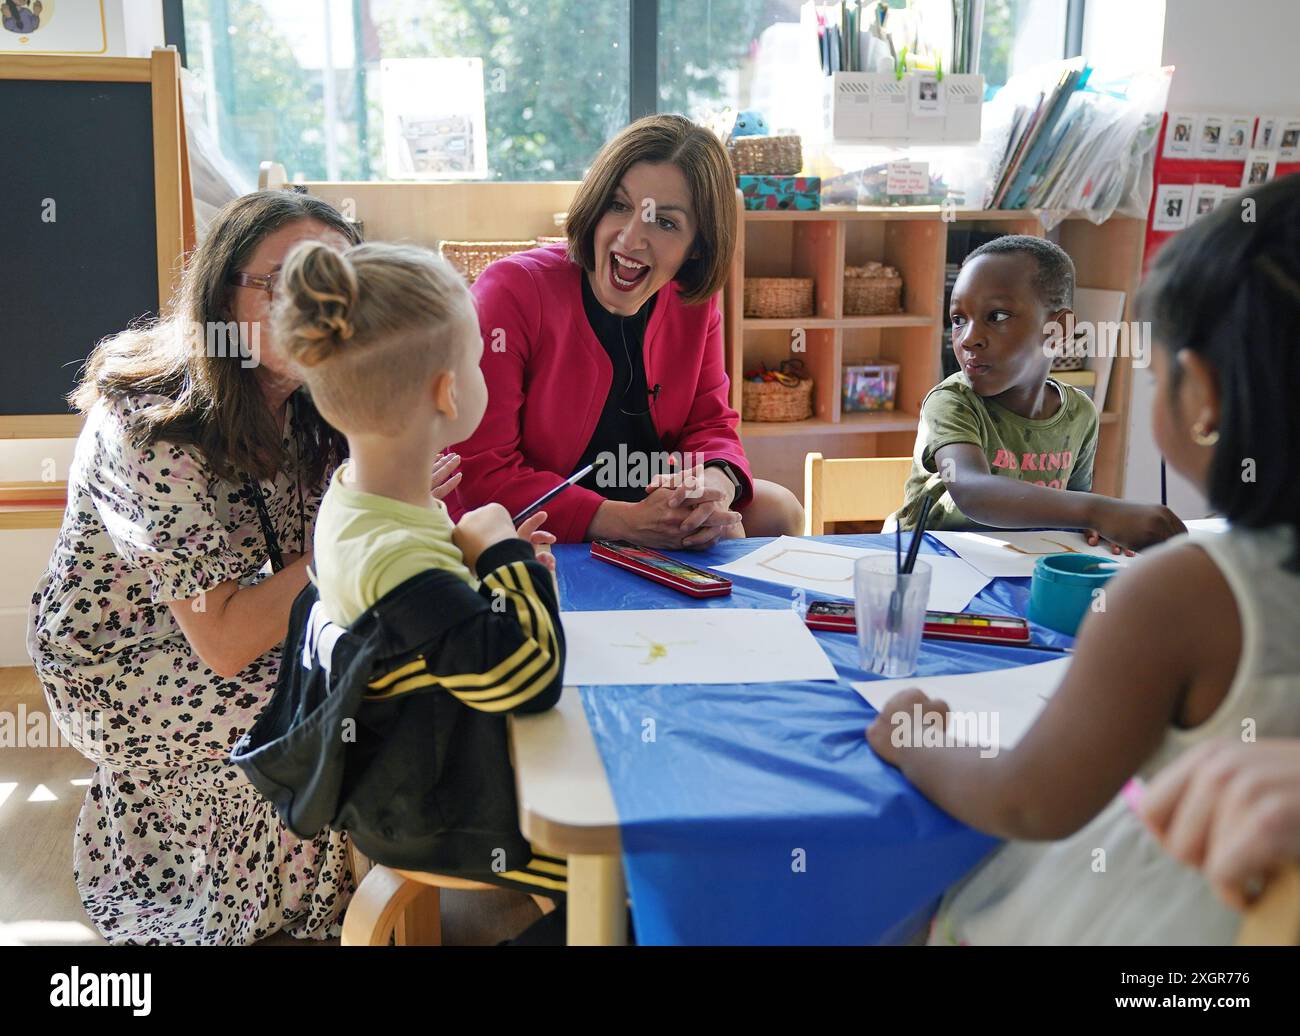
(77, 230)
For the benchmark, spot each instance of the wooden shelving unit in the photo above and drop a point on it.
(819, 245)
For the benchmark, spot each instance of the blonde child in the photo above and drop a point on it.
(1196, 641)
(418, 636)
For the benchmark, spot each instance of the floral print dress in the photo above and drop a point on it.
(173, 845)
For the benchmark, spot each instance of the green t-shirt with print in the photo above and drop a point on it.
(1056, 452)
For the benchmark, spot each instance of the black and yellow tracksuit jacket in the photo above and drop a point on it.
(394, 729)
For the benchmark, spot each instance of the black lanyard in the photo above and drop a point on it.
(254, 492)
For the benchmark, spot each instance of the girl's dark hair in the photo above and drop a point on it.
(1228, 289)
(211, 399)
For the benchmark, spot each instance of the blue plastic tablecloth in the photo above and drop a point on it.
(756, 813)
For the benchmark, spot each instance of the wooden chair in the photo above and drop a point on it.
(403, 907)
(861, 489)
(1274, 919)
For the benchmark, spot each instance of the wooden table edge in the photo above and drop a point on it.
(577, 746)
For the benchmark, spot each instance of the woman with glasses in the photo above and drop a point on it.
(154, 630)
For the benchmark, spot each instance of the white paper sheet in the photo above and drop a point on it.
(826, 569)
(691, 645)
(1198, 527)
(1005, 553)
(986, 710)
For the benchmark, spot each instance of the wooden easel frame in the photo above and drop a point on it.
(173, 197)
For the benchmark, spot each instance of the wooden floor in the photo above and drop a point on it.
(41, 790)
(40, 794)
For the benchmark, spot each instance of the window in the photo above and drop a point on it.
(1019, 34)
(525, 90)
(377, 89)
(719, 53)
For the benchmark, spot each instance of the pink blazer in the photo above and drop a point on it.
(548, 377)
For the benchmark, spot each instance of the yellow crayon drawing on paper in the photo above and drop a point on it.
(657, 650)
(691, 646)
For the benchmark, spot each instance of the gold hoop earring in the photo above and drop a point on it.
(1203, 438)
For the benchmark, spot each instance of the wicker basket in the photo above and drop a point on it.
(766, 156)
(778, 296)
(772, 401)
(872, 290)
(471, 258)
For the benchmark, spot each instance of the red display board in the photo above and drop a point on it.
(1191, 171)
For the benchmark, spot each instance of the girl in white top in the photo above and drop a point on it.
(1200, 639)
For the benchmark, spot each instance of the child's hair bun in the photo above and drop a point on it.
(316, 301)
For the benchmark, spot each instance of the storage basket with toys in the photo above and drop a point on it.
(752, 147)
(784, 394)
(778, 297)
(873, 289)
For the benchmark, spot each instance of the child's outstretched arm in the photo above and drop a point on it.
(1163, 651)
(507, 652)
(1007, 503)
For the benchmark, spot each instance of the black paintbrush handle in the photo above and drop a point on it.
(918, 534)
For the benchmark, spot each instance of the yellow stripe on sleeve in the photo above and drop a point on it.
(528, 671)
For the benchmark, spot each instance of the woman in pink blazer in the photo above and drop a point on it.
(610, 351)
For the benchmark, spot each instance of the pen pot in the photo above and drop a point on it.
(1064, 589)
(890, 609)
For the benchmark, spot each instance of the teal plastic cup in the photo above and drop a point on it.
(1064, 589)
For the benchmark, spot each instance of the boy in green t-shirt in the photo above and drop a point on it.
(1000, 444)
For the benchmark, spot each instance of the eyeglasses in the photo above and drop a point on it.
(264, 282)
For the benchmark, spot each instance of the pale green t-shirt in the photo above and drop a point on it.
(1057, 452)
(366, 545)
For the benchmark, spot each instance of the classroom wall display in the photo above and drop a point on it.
(1259, 169)
(1206, 159)
(97, 218)
(1288, 145)
(1205, 196)
(111, 28)
(53, 27)
(1266, 134)
(1172, 202)
(1179, 138)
